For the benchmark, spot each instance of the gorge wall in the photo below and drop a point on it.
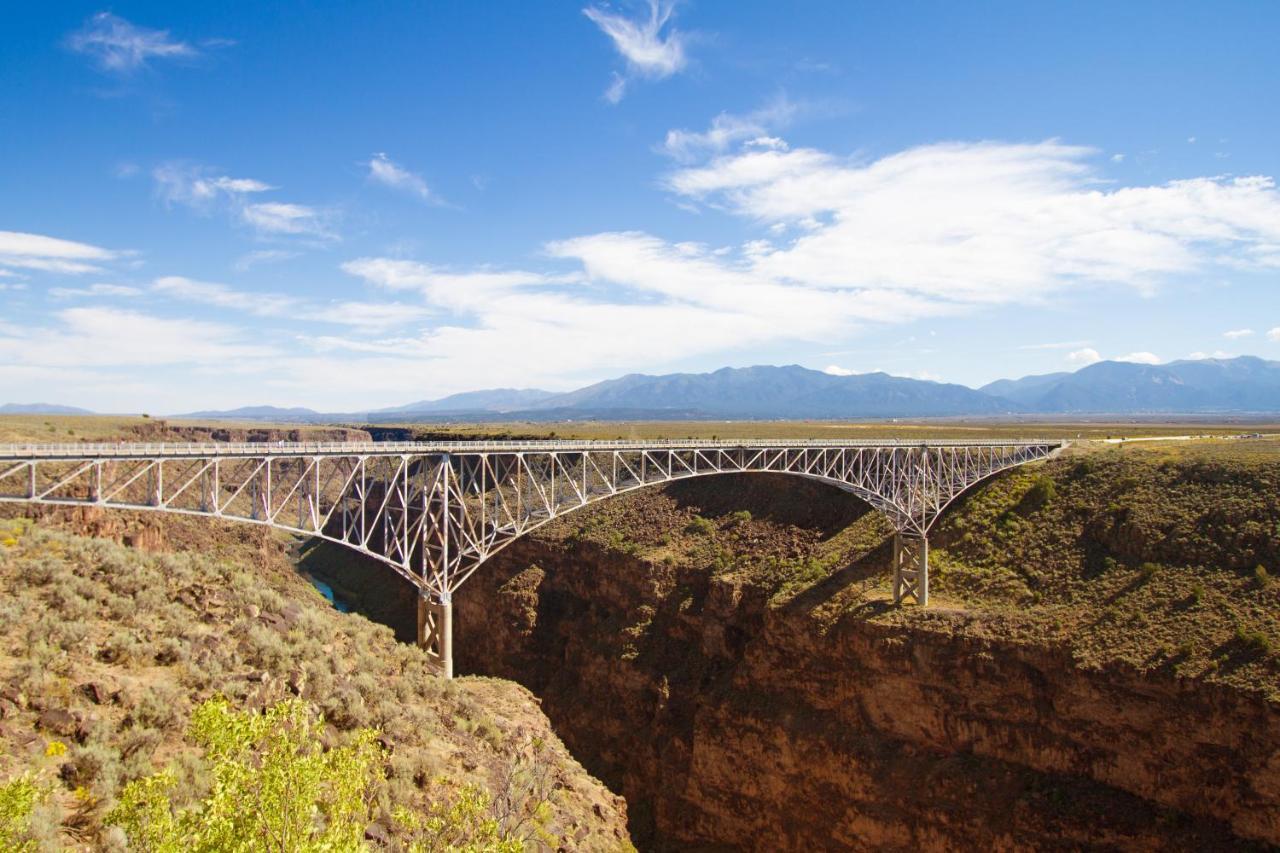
(730, 721)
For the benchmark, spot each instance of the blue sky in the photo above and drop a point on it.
(349, 206)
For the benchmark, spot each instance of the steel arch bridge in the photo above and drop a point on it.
(435, 512)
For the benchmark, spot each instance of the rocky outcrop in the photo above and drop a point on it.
(731, 724)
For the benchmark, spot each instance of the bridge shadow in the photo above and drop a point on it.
(857, 577)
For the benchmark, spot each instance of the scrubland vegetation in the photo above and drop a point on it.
(131, 692)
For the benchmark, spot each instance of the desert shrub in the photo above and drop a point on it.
(1148, 570)
(700, 526)
(742, 516)
(18, 800)
(1254, 641)
(1041, 492)
(1261, 576)
(275, 786)
(461, 823)
(1197, 593)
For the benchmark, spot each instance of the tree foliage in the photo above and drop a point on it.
(274, 787)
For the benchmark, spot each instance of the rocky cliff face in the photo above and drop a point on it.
(729, 721)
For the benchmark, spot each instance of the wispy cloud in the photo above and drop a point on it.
(728, 129)
(51, 254)
(648, 51)
(120, 47)
(382, 170)
(262, 256)
(369, 316)
(199, 188)
(275, 218)
(1237, 334)
(1274, 334)
(93, 290)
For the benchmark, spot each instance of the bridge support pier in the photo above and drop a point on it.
(910, 567)
(435, 629)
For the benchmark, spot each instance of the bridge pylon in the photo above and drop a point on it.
(910, 567)
(435, 629)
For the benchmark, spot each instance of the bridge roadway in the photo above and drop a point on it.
(435, 511)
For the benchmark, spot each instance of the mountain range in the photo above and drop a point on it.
(1243, 384)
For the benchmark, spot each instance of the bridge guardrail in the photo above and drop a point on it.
(282, 448)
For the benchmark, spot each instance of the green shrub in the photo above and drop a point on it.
(1148, 570)
(1254, 641)
(700, 526)
(1261, 576)
(18, 799)
(742, 516)
(1042, 491)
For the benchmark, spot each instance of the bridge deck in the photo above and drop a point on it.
(86, 450)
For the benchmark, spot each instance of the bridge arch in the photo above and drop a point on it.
(436, 512)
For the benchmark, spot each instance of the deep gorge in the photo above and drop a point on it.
(731, 717)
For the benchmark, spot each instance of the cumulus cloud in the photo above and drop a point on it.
(383, 170)
(837, 370)
(1140, 358)
(1084, 357)
(51, 254)
(642, 43)
(1274, 334)
(980, 223)
(121, 47)
(1236, 334)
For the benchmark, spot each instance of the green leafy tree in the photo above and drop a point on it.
(274, 787)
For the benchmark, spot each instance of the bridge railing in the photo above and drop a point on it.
(284, 448)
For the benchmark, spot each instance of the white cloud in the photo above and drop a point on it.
(121, 47)
(196, 187)
(51, 254)
(112, 337)
(837, 370)
(1084, 357)
(383, 171)
(984, 222)
(727, 129)
(647, 50)
(275, 218)
(1274, 334)
(372, 316)
(1117, 158)
(101, 289)
(262, 256)
(1200, 356)
(1139, 358)
(221, 296)
(1236, 334)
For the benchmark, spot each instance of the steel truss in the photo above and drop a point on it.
(436, 512)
